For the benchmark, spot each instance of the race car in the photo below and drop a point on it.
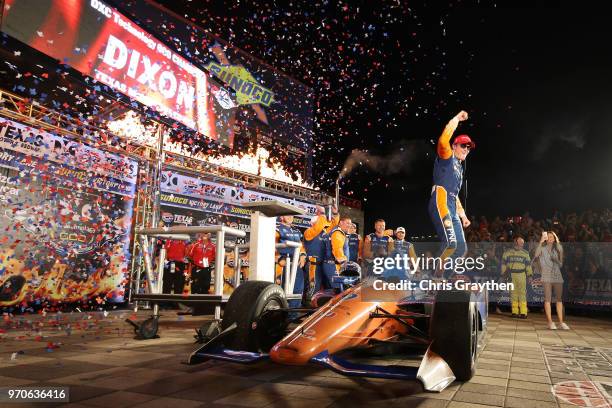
(257, 324)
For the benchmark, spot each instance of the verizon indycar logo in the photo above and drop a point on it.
(167, 218)
(237, 195)
(585, 393)
(169, 182)
(224, 99)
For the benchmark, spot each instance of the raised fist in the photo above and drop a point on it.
(462, 116)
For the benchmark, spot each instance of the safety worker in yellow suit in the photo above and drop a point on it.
(517, 262)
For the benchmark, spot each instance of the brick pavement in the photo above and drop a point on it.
(96, 356)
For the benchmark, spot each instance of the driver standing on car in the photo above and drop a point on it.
(445, 209)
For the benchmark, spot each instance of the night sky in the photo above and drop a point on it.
(389, 75)
(535, 82)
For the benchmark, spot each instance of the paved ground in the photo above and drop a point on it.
(96, 356)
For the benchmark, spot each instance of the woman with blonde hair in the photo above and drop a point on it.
(550, 256)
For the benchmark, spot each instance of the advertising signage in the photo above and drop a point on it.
(265, 102)
(66, 213)
(99, 41)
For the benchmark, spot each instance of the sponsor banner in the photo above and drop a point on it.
(33, 142)
(248, 90)
(32, 168)
(214, 207)
(266, 103)
(102, 43)
(202, 189)
(66, 238)
(183, 216)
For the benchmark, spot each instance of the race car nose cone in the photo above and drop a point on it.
(284, 355)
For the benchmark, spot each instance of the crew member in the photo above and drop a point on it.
(315, 238)
(445, 208)
(355, 244)
(377, 244)
(401, 246)
(286, 233)
(175, 266)
(336, 250)
(202, 255)
(516, 260)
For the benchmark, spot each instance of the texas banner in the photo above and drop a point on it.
(64, 223)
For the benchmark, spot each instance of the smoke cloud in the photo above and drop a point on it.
(399, 160)
(574, 134)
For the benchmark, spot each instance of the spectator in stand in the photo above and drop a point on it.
(550, 256)
(202, 255)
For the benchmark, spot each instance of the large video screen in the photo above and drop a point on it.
(268, 105)
(100, 42)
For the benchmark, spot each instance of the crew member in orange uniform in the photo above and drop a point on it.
(315, 239)
(336, 250)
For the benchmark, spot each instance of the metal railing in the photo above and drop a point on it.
(184, 233)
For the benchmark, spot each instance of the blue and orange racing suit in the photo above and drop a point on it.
(444, 205)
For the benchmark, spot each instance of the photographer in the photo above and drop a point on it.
(550, 256)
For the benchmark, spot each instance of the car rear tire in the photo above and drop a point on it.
(454, 332)
(254, 307)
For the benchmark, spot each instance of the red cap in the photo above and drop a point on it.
(464, 139)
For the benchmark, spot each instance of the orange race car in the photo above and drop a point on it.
(257, 324)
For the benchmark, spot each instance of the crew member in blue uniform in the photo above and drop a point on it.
(285, 233)
(445, 209)
(402, 247)
(376, 245)
(355, 244)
